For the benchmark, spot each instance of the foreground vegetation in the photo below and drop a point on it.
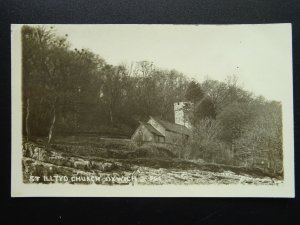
(148, 164)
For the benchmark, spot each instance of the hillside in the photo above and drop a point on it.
(118, 161)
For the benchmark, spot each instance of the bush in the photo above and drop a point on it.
(132, 146)
(154, 150)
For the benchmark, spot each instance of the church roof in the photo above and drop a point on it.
(150, 128)
(177, 128)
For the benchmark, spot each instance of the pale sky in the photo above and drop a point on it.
(259, 55)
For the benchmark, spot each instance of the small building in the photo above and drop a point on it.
(147, 133)
(161, 131)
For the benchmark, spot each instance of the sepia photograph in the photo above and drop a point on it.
(152, 110)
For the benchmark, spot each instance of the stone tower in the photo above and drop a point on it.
(182, 111)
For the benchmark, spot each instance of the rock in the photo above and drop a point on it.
(103, 166)
(31, 149)
(60, 161)
(97, 165)
(64, 171)
(35, 153)
(82, 164)
(26, 163)
(108, 166)
(40, 154)
(38, 169)
(25, 151)
(28, 149)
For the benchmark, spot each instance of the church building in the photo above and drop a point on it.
(161, 131)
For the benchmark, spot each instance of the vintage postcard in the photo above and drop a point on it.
(152, 110)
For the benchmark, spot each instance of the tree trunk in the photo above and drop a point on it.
(27, 120)
(253, 156)
(232, 152)
(270, 157)
(111, 115)
(52, 127)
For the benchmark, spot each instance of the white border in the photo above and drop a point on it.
(19, 189)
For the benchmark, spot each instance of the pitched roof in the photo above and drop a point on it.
(177, 128)
(150, 128)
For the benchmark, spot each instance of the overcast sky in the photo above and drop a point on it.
(260, 55)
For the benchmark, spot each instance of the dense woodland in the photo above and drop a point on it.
(69, 91)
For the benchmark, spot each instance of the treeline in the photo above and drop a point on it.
(67, 91)
(71, 91)
(232, 126)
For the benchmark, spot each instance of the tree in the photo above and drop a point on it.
(54, 79)
(114, 89)
(171, 86)
(204, 109)
(262, 140)
(87, 80)
(41, 49)
(204, 140)
(194, 92)
(233, 119)
(217, 92)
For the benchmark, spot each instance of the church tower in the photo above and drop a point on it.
(182, 111)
